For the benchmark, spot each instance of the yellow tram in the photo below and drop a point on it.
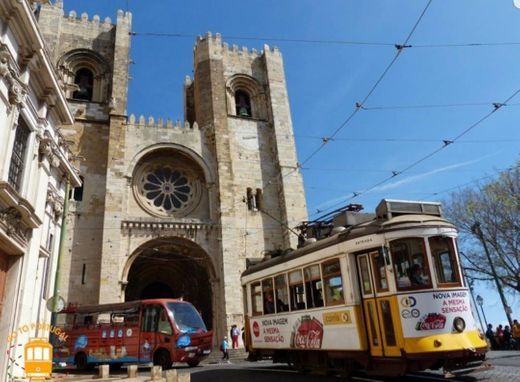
(382, 292)
(38, 359)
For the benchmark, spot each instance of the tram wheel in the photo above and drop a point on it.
(81, 361)
(162, 358)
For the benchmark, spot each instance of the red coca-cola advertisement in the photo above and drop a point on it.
(307, 333)
(431, 321)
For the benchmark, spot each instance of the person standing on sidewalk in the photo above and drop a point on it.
(235, 333)
(224, 347)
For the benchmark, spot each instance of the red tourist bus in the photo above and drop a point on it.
(161, 331)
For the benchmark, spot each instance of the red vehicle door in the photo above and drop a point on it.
(148, 335)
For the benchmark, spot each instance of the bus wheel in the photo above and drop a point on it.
(193, 363)
(162, 358)
(81, 361)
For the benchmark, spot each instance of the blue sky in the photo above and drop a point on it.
(326, 80)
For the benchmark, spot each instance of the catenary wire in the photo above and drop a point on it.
(331, 41)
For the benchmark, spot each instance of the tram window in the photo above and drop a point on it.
(388, 323)
(378, 262)
(46, 355)
(443, 254)
(30, 354)
(256, 299)
(38, 353)
(410, 264)
(267, 289)
(313, 286)
(296, 290)
(282, 297)
(365, 275)
(333, 283)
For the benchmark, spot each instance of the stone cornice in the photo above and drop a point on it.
(187, 230)
(58, 155)
(21, 21)
(10, 197)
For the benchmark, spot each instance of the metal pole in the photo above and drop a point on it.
(475, 228)
(470, 285)
(482, 309)
(57, 278)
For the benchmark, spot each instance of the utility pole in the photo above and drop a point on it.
(475, 228)
(470, 283)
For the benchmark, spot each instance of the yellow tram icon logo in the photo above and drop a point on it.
(38, 359)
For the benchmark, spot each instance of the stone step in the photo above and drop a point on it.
(234, 355)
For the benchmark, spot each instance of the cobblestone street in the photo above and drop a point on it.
(506, 368)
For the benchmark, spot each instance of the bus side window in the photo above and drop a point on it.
(256, 298)
(333, 283)
(313, 286)
(150, 319)
(164, 326)
(296, 290)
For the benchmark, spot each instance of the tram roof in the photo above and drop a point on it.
(375, 226)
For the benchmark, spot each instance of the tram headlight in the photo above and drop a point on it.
(459, 324)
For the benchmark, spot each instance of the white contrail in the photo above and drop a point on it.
(406, 180)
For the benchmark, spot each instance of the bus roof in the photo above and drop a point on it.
(121, 307)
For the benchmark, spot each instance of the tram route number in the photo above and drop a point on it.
(410, 313)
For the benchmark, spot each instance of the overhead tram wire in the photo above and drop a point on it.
(359, 105)
(330, 41)
(446, 143)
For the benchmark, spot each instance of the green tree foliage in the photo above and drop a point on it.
(496, 206)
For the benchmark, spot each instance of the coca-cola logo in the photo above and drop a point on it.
(431, 321)
(256, 329)
(308, 333)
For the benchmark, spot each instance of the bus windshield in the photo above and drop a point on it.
(186, 318)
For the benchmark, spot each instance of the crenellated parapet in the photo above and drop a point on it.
(233, 50)
(83, 18)
(161, 123)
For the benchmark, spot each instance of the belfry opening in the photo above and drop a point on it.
(172, 268)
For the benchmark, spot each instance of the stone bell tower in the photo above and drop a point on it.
(241, 96)
(91, 57)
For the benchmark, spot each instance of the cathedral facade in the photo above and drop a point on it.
(173, 209)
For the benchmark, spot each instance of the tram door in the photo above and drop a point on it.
(377, 304)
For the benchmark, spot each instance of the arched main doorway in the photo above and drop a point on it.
(172, 268)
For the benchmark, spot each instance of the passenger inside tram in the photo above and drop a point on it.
(416, 275)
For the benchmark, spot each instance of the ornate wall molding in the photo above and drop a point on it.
(17, 90)
(55, 201)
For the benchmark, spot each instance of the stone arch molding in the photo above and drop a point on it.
(170, 181)
(77, 59)
(255, 91)
(138, 250)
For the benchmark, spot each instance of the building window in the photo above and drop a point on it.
(250, 199)
(85, 80)
(21, 141)
(243, 104)
(77, 194)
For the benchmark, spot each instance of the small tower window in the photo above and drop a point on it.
(85, 81)
(250, 199)
(243, 104)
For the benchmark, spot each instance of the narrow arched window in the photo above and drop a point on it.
(243, 104)
(85, 81)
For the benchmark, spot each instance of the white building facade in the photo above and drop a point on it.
(34, 170)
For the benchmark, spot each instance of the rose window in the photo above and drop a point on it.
(167, 190)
